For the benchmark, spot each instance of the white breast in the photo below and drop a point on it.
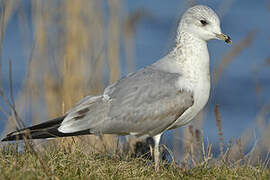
(201, 90)
(194, 67)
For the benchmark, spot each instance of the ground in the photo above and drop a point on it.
(55, 162)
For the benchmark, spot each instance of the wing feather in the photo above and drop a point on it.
(145, 102)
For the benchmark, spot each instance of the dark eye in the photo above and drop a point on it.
(203, 22)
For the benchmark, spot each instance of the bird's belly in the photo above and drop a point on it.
(201, 96)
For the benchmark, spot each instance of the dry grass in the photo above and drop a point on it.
(230, 56)
(72, 52)
(64, 163)
(219, 126)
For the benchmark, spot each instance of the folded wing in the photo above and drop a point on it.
(145, 102)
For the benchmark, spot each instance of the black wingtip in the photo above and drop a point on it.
(7, 138)
(44, 130)
(11, 136)
(39, 131)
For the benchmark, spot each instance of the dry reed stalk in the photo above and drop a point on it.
(192, 146)
(267, 61)
(229, 56)
(262, 147)
(113, 38)
(198, 140)
(2, 35)
(219, 126)
(10, 102)
(263, 144)
(206, 152)
(191, 3)
(69, 58)
(72, 62)
(129, 28)
(7, 8)
(176, 144)
(196, 124)
(237, 148)
(258, 85)
(187, 144)
(19, 123)
(261, 118)
(227, 154)
(240, 148)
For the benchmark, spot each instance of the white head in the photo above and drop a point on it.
(203, 23)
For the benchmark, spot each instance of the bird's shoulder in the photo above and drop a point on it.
(148, 77)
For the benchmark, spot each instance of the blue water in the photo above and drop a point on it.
(235, 92)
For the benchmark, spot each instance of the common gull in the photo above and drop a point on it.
(163, 96)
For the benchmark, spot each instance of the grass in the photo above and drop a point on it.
(76, 164)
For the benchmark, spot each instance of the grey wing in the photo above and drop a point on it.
(88, 114)
(146, 102)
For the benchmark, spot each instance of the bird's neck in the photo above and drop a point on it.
(191, 58)
(191, 51)
(187, 44)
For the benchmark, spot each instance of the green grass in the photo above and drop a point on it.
(75, 164)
